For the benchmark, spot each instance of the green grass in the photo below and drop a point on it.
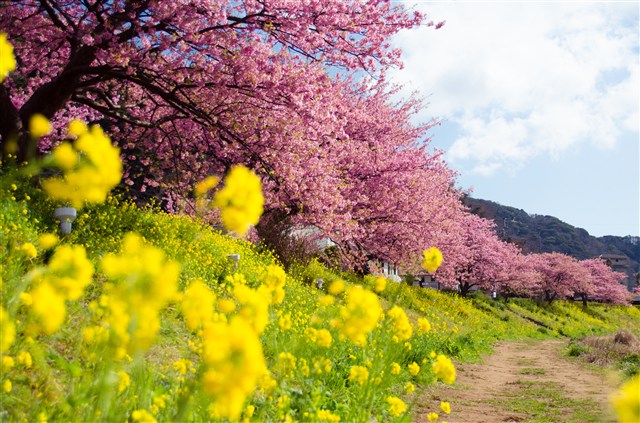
(531, 371)
(543, 402)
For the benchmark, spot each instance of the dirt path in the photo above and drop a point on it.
(522, 382)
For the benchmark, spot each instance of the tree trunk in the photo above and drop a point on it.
(464, 288)
(46, 100)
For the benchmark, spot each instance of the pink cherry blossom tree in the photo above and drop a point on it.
(562, 277)
(294, 90)
(474, 256)
(606, 283)
(517, 276)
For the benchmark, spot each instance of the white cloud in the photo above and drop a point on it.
(525, 79)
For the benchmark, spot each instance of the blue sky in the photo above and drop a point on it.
(540, 104)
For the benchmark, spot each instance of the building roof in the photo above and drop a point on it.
(614, 256)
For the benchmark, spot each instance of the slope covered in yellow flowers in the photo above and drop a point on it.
(138, 315)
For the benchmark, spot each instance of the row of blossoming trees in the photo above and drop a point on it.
(295, 91)
(485, 262)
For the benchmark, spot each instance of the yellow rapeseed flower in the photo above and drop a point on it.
(409, 388)
(97, 172)
(249, 410)
(48, 305)
(423, 325)
(124, 381)
(143, 416)
(95, 334)
(327, 416)
(627, 401)
(39, 125)
(7, 59)
(205, 185)
(286, 363)
(414, 368)
(7, 362)
(395, 369)
(400, 323)
(311, 334)
(321, 365)
(336, 287)
(326, 300)
(397, 407)
(71, 270)
(47, 240)
(233, 355)
(274, 281)
(432, 417)
(444, 370)
(432, 258)
(24, 358)
(304, 367)
(266, 383)
(381, 284)
(284, 401)
(254, 306)
(359, 374)
(146, 283)
(240, 201)
(29, 250)
(181, 366)
(226, 305)
(197, 304)
(7, 331)
(284, 322)
(360, 315)
(445, 406)
(76, 128)
(323, 338)
(6, 386)
(25, 298)
(65, 156)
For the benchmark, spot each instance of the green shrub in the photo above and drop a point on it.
(575, 349)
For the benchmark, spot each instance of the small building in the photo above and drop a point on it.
(385, 268)
(425, 280)
(314, 235)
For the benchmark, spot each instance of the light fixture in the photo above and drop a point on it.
(66, 216)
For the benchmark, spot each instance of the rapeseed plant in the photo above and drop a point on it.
(445, 407)
(232, 354)
(443, 369)
(359, 374)
(39, 125)
(197, 304)
(8, 335)
(7, 59)
(397, 407)
(432, 258)
(401, 327)
(627, 401)
(144, 282)
(240, 200)
(359, 316)
(90, 177)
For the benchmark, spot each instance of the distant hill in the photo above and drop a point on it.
(536, 233)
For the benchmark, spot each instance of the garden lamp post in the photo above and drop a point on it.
(66, 216)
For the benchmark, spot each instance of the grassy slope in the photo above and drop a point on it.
(462, 328)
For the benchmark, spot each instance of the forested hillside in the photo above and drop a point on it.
(539, 234)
